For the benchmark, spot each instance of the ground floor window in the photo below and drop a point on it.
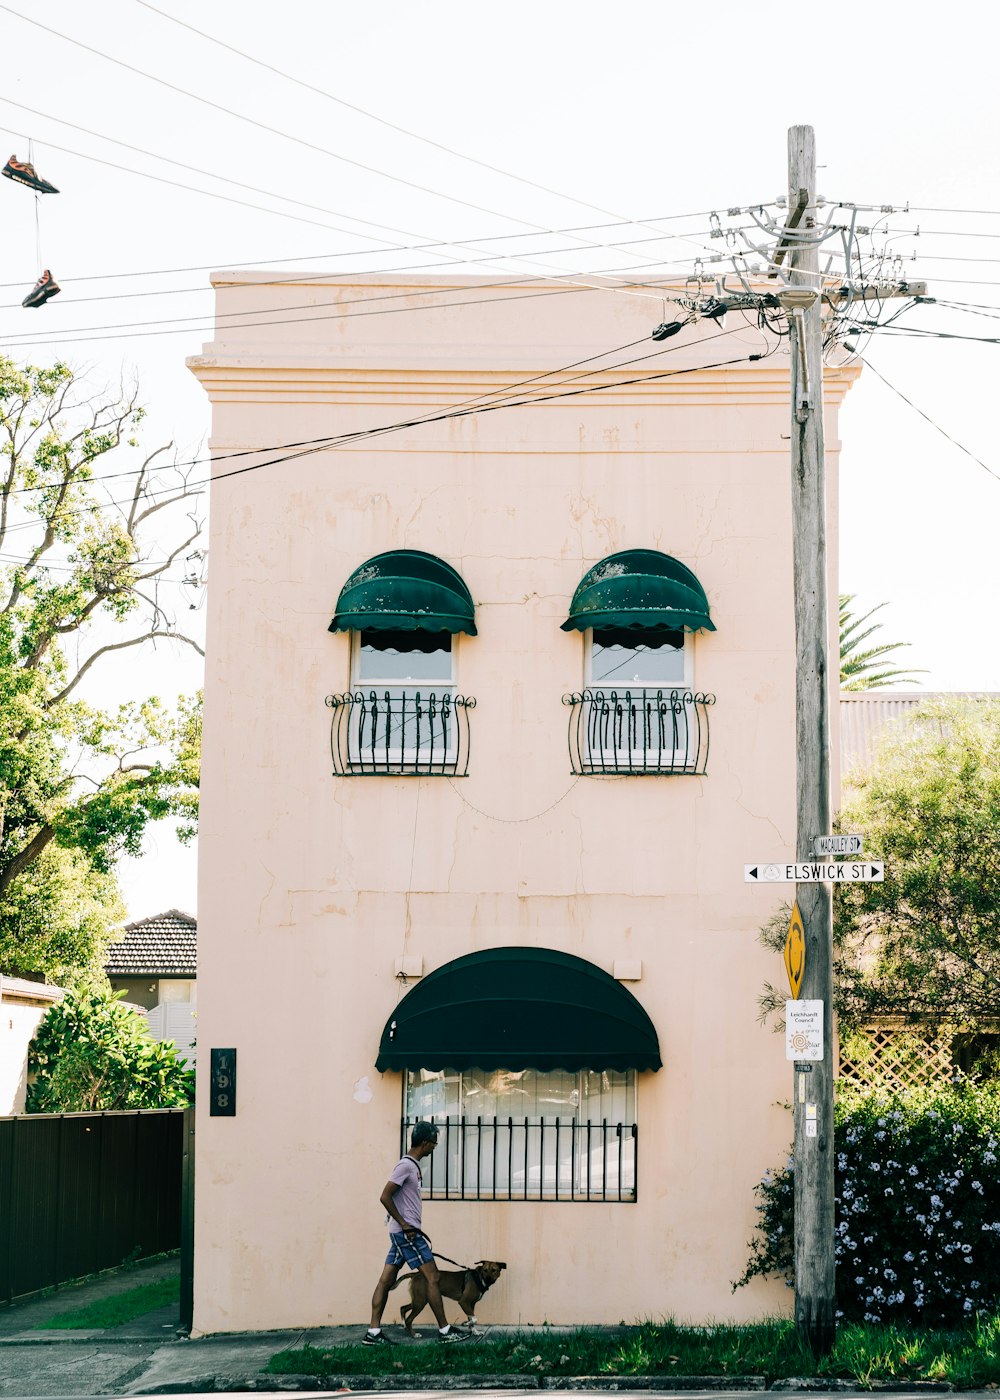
(527, 1135)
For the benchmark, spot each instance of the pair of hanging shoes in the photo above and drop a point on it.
(45, 287)
(25, 174)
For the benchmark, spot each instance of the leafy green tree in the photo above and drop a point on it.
(92, 1053)
(859, 665)
(83, 575)
(926, 941)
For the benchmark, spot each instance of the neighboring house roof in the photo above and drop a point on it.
(22, 989)
(165, 945)
(865, 714)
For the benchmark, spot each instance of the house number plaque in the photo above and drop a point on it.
(222, 1103)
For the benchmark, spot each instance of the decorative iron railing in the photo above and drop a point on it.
(400, 731)
(530, 1159)
(638, 731)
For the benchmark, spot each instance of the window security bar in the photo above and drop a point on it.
(638, 731)
(400, 732)
(530, 1159)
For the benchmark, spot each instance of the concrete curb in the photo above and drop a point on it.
(480, 1381)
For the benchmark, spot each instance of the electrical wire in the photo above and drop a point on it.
(464, 409)
(285, 135)
(304, 279)
(372, 116)
(359, 252)
(101, 136)
(28, 337)
(926, 416)
(312, 442)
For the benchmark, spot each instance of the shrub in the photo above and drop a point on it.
(917, 1207)
(90, 1052)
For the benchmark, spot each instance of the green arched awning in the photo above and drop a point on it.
(519, 1008)
(639, 588)
(405, 590)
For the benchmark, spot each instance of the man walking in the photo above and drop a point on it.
(407, 1242)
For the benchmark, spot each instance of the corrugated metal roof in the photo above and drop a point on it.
(866, 714)
(165, 945)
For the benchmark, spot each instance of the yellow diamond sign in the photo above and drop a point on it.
(795, 951)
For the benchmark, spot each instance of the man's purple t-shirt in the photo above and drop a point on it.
(407, 1200)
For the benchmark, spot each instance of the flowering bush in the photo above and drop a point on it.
(917, 1207)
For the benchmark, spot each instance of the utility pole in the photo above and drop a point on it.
(813, 1092)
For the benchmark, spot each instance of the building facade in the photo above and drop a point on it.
(499, 702)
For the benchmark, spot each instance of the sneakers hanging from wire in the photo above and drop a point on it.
(45, 287)
(25, 174)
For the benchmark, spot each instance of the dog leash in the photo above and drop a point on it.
(467, 1267)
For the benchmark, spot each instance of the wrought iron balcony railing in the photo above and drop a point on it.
(400, 732)
(530, 1159)
(638, 731)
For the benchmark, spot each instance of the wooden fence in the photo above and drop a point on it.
(82, 1192)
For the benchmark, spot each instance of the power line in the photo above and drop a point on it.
(303, 279)
(285, 135)
(312, 442)
(271, 194)
(372, 116)
(359, 252)
(466, 408)
(26, 340)
(261, 126)
(182, 165)
(30, 337)
(926, 416)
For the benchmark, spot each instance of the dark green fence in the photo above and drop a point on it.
(81, 1192)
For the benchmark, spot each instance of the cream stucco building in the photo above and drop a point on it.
(529, 912)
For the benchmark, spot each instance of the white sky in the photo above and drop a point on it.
(643, 109)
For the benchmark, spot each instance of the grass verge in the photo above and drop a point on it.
(121, 1307)
(866, 1355)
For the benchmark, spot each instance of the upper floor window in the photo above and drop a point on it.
(656, 657)
(402, 714)
(638, 711)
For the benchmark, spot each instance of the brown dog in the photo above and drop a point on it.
(465, 1286)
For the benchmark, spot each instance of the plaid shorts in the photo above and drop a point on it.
(403, 1251)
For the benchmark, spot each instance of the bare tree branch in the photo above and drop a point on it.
(118, 646)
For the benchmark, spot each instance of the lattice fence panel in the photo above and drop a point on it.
(891, 1058)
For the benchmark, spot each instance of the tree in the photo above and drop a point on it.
(83, 575)
(859, 665)
(926, 941)
(92, 1053)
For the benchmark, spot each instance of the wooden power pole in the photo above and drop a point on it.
(813, 1092)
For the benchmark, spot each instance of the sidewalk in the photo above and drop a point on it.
(150, 1356)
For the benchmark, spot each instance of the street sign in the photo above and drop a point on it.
(795, 951)
(814, 872)
(803, 1030)
(841, 845)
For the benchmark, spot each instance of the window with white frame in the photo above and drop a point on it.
(630, 659)
(637, 709)
(405, 684)
(527, 1134)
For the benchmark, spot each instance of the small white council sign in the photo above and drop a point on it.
(842, 845)
(814, 872)
(803, 1030)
